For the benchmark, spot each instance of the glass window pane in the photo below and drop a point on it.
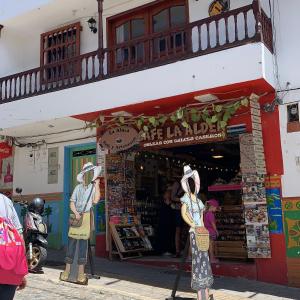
(177, 15)
(138, 28)
(161, 21)
(122, 33)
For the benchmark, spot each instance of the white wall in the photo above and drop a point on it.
(291, 151)
(182, 77)
(288, 44)
(31, 173)
(287, 22)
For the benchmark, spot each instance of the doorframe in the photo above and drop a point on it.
(66, 186)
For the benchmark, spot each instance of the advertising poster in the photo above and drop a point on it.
(274, 210)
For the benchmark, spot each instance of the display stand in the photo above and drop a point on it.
(231, 242)
(179, 272)
(127, 241)
(91, 262)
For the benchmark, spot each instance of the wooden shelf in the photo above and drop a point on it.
(224, 187)
(130, 237)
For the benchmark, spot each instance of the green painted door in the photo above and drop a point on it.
(79, 156)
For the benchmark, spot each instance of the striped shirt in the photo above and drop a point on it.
(8, 211)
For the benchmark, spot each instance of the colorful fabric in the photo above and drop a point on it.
(202, 277)
(209, 220)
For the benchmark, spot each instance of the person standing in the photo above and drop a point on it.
(13, 269)
(84, 197)
(210, 225)
(176, 194)
(192, 213)
(165, 225)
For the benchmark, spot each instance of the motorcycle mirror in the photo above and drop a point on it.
(19, 190)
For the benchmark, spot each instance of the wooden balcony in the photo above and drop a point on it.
(248, 24)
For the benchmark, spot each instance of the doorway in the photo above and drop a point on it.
(75, 157)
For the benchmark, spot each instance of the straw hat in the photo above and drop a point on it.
(188, 172)
(87, 168)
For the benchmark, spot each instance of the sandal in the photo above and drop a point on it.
(64, 276)
(82, 279)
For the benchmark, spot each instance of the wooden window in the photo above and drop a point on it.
(129, 31)
(59, 50)
(293, 124)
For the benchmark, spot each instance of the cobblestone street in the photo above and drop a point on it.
(47, 290)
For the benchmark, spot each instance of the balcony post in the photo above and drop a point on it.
(100, 36)
(257, 15)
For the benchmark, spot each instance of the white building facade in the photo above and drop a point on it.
(64, 63)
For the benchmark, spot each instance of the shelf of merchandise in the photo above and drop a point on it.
(224, 187)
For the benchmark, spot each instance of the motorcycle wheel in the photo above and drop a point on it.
(39, 256)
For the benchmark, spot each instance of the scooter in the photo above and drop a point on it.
(35, 233)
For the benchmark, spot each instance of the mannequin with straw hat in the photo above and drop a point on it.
(85, 195)
(192, 213)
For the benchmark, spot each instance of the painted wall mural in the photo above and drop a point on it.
(291, 212)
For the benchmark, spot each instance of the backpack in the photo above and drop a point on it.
(13, 264)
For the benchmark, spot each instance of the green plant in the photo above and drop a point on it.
(212, 114)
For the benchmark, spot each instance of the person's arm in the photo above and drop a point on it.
(97, 192)
(213, 224)
(13, 216)
(186, 216)
(72, 204)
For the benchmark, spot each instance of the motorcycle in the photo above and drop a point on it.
(35, 233)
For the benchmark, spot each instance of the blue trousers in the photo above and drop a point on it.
(82, 251)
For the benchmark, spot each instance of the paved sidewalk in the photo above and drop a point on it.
(150, 283)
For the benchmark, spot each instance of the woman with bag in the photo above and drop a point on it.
(84, 197)
(13, 264)
(192, 213)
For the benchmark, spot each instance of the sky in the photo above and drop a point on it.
(12, 8)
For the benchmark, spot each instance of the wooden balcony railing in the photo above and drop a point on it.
(234, 28)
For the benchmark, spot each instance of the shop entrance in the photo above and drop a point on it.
(218, 165)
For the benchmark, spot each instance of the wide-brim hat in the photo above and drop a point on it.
(188, 172)
(87, 168)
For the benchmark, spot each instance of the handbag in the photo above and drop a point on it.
(84, 231)
(73, 222)
(201, 233)
(13, 263)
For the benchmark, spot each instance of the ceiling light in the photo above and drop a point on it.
(218, 156)
(206, 98)
(121, 113)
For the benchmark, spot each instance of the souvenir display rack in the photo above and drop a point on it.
(230, 222)
(231, 242)
(129, 240)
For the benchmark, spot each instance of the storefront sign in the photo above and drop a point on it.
(176, 135)
(119, 139)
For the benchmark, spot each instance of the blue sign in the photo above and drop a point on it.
(274, 210)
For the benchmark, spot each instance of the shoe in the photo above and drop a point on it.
(82, 279)
(64, 276)
(167, 254)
